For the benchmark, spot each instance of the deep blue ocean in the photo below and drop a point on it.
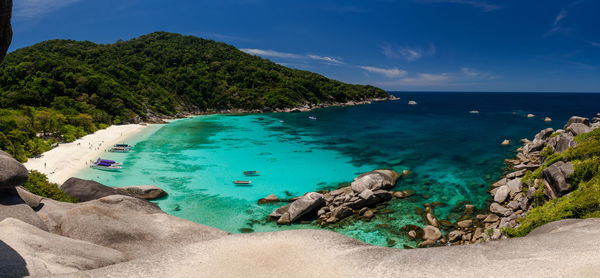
(453, 155)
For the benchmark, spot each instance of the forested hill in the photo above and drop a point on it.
(161, 72)
(62, 89)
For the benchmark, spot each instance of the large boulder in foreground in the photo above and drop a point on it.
(12, 172)
(87, 190)
(27, 250)
(147, 192)
(568, 250)
(375, 180)
(52, 213)
(133, 226)
(13, 206)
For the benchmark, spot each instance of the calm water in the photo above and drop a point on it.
(453, 154)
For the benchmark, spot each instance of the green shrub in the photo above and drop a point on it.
(548, 151)
(585, 170)
(528, 178)
(583, 202)
(593, 135)
(38, 184)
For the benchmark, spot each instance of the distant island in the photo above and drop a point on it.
(64, 89)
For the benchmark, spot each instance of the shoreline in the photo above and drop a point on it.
(63, 161)
(298, 109)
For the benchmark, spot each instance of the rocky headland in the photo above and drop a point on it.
(538, 173)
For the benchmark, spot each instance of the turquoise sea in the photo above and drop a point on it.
(454, 156)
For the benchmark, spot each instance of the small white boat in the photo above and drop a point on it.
(106, 167)
(474, 112)
(312, 118)
(119, 150)
(125, 146)
(242, 182)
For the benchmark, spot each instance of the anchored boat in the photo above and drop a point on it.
(119, 150)
(107, 165)
(251, 173)
(123, 146)
(242, 182)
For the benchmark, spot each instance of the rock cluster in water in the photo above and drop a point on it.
(365, 191)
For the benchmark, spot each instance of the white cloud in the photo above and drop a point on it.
(391, 73)
(424, 79)
(561, 15)
(33, 9)
(270, 53)
(485, 6)
(440, 80)
(325, 59)
(409, 54)
(285, 55)
(473, 73)
(557, 27)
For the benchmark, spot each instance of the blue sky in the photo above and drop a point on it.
(448, 45)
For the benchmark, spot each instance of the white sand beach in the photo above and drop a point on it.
(60, 163)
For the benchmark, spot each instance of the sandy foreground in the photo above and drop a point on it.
(62, 162)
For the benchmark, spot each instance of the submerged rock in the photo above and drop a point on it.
(269, 199)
